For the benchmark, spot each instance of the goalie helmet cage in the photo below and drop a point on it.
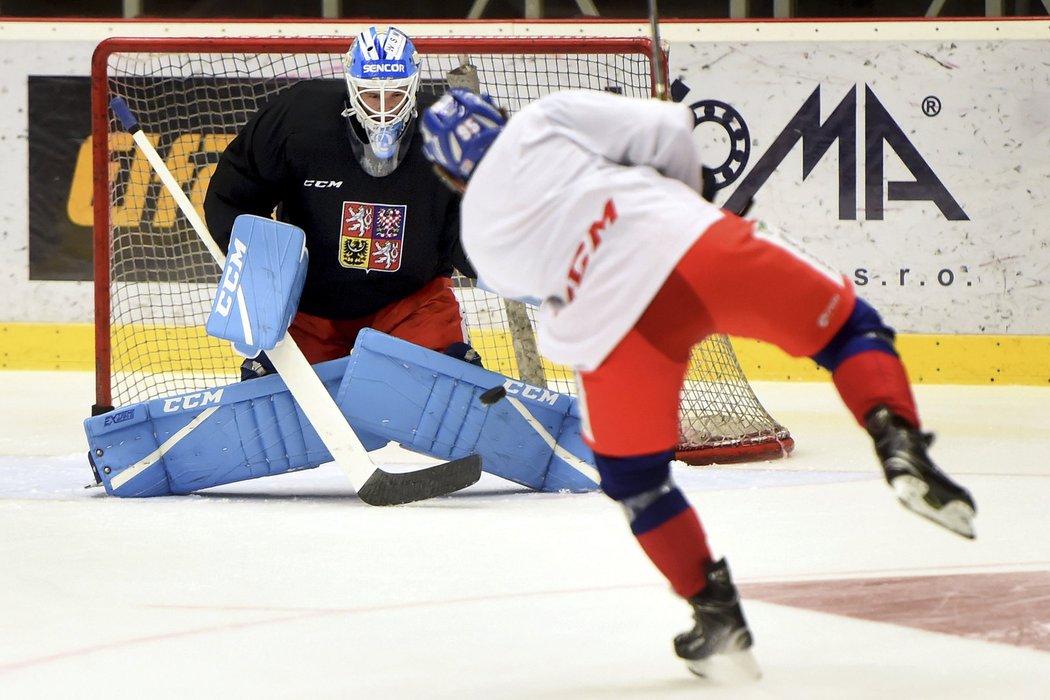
(154, 279)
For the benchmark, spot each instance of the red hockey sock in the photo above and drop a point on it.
(678, 547)
(870, 378)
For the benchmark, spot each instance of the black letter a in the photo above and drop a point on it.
(878, 127)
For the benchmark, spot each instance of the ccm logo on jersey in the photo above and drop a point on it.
(231, 277)
(191, 401)
(383, 68)
(322, 184)
(587, 246)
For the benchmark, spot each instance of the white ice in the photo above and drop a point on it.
(290, 587)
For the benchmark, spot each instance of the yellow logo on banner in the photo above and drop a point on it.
(139, 179)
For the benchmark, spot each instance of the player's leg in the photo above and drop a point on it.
(630, 406)
(737, 267)
(873, 383)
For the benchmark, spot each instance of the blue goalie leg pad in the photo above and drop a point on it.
(193, 441)
(431, 403)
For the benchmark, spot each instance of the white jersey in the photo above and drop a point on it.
(586, 201)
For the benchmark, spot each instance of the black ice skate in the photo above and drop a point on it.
(719, 645)
(919, 484)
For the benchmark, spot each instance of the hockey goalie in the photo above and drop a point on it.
(388, 390)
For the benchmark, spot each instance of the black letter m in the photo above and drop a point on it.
(816, 140)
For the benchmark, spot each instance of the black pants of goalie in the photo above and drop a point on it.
(720, 632)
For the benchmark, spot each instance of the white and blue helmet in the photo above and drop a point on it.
(382, 76)
(458, 129)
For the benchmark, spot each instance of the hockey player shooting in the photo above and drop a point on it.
(591, 202)
(341, 161)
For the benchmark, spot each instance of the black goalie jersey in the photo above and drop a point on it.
(372, 240)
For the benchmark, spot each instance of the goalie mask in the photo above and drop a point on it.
(457, 131)
(382, 76)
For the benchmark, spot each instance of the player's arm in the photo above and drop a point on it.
(247, 179)
(630, 131)
(450, 246)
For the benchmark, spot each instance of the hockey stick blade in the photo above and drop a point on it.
(391, 489)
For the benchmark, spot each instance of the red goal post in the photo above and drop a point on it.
(153, 280)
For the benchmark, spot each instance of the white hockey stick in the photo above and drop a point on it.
(373, 485)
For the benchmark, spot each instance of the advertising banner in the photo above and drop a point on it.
(909, 155)
(919, 169)
(45, 129)
(59, 177)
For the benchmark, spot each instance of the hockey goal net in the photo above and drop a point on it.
(154, 279)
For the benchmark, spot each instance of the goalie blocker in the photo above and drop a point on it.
(389, 390)
(262, 280)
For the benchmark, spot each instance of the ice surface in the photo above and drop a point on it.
(290, 587)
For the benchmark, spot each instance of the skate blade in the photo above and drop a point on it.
(730, 667)
(957, 516)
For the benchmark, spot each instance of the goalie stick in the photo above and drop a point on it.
(373, 485)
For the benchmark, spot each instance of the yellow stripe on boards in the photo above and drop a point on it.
(45, 346)
(41, 346)
(930, 359)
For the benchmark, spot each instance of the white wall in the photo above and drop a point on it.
(987, 147)
(974, 135)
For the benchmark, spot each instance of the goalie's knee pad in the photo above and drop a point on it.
(184, 443)
(644, 487)
(444, 406)
(864, 330)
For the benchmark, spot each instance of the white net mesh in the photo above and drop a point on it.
(191, 98)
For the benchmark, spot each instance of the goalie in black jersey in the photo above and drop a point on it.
(343, 162)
